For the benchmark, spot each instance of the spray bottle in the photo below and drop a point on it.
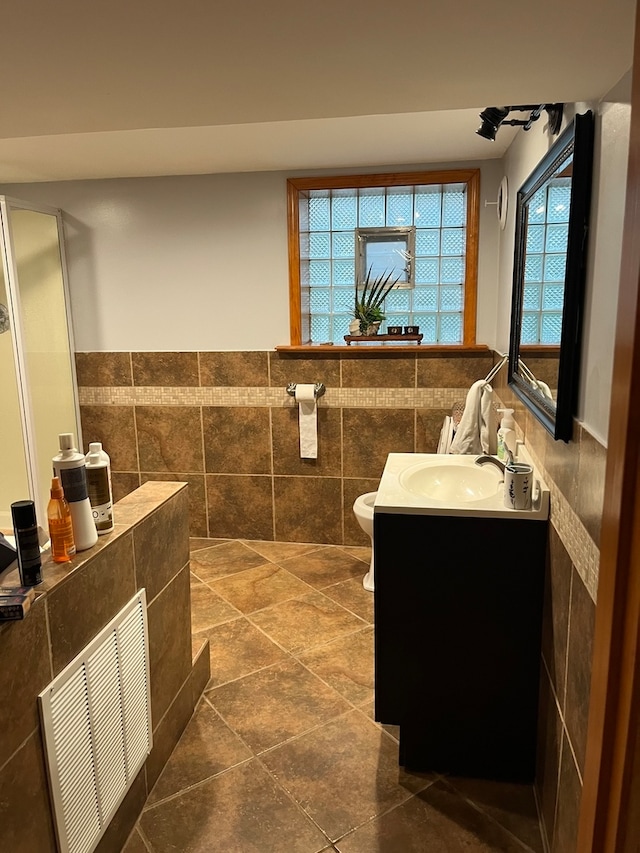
(99, 482)
(506, 435)
(60, 527)
(69, 467)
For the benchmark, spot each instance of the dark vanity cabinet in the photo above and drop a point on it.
(458, 614)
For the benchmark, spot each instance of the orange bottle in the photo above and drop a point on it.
(60, 530)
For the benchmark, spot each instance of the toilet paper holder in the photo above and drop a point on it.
(318, 389)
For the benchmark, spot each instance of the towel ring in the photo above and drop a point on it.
(318, 389)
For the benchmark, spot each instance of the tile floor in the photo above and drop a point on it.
(282, 753)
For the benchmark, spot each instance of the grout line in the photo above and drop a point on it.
(20, 746)
(48, 630)
(144, 838)
(541, 823)
(273, 477)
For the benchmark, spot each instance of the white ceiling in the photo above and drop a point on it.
(154, 87)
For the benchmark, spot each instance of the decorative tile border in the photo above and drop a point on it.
(370, 398)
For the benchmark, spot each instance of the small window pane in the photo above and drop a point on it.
(553, 298)
(319, 213)
(319, 245)
(428, 206)
(344, 244)
(453, 241)
(454, 205)
(554, 267)
(319, 328)
(397, 319)
(320, 300)
(425, 299)
(305, 276)
(428, 327)
(537, 207)
(428, 241)
(533, 267)
(344, 211)
(320, 272)
(371, 208)
(535, 238)
(344, 273)
(397, 300)
(531, 300)
(427, 270)
(400, 206)
(559, 204)
(529, 332)
(551, 328)
(343, 300)
(452, 271)
(340, 327)
(450, 328)
(557, 238)
(451, 298)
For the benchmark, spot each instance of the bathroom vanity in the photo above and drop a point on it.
(458, 614)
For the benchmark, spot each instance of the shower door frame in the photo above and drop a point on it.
(12, 279)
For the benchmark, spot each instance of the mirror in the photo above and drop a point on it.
(552, 218)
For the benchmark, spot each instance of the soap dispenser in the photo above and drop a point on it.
(506, 435)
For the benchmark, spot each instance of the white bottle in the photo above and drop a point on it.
(99, 483)
(69, 466)
(506, 435)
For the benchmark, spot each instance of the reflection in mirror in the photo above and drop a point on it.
(548, 279)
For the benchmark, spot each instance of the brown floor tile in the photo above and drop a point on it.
(198, 543)
(346, 664)
(360, 552)
(255, 589)
(221, 560)
(208, 608)
(206, 748)
(324, 567)
(275, 704)
(512, 806)
(352, 596)
(436, 821)
(305, 622)
(239, 811)
(236, 649)
(275, 551)
(343, 773)
(394, 731)
(135, 844)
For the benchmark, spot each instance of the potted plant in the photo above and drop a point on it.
(367, 311)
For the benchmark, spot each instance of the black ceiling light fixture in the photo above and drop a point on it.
(493, 117)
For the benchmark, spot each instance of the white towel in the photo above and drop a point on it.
(446, 435)
(473, 433)
(544, 389)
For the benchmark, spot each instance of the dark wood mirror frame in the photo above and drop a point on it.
(556, 418)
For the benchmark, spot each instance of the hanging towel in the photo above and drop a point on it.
(544, 389)
(446, 435)
(473, 433)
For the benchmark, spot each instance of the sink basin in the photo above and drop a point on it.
(452, 483)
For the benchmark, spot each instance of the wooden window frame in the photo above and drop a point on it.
(470, 177)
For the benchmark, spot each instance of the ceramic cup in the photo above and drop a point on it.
(519, 486)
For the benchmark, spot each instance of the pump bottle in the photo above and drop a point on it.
(506, 435)
(69, 466)
(99, 482)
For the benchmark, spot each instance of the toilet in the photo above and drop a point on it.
(363, 509)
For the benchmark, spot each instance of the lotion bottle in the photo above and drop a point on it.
(69, 466)
(99, 482)
(60, 527)
(506, 434)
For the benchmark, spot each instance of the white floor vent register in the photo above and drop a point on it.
(96, 718)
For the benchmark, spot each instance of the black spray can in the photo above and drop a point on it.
(25, 528)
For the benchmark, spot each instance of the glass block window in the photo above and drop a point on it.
(545, 261)
(329, 212)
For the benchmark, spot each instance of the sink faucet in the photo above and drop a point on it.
(484, 460)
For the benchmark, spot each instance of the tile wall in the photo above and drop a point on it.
(222, 422)
(575, 474)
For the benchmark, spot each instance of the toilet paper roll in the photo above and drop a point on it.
(307, 421)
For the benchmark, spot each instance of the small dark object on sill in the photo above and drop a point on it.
(382, 338)
(394, 330)
(411, 330)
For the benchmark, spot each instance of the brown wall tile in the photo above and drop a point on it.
(103, 369)
(548, 754)
(201, 671)
(25, 821)
(286, 443)
(169, 369)
(237, 440)
(561, 461)
(123, 483)
(81, 606)
(352, 489)
(24, 649)
(229, 369)
(581, 628)
(161, 545)
(169, 642)
(369, 435)
(308, 509)
(167, 731)
(591, 471)
(196, 498)
(545, 369)
(451, 372)
(114, 426)
(566, 828)
(169, 438)
(125, 818)
(292, 367)
(428, 427)
(240, 507)
(555, 620)
(381, 372)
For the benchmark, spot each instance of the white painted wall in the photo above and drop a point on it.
(605, 245)
(200, 262)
